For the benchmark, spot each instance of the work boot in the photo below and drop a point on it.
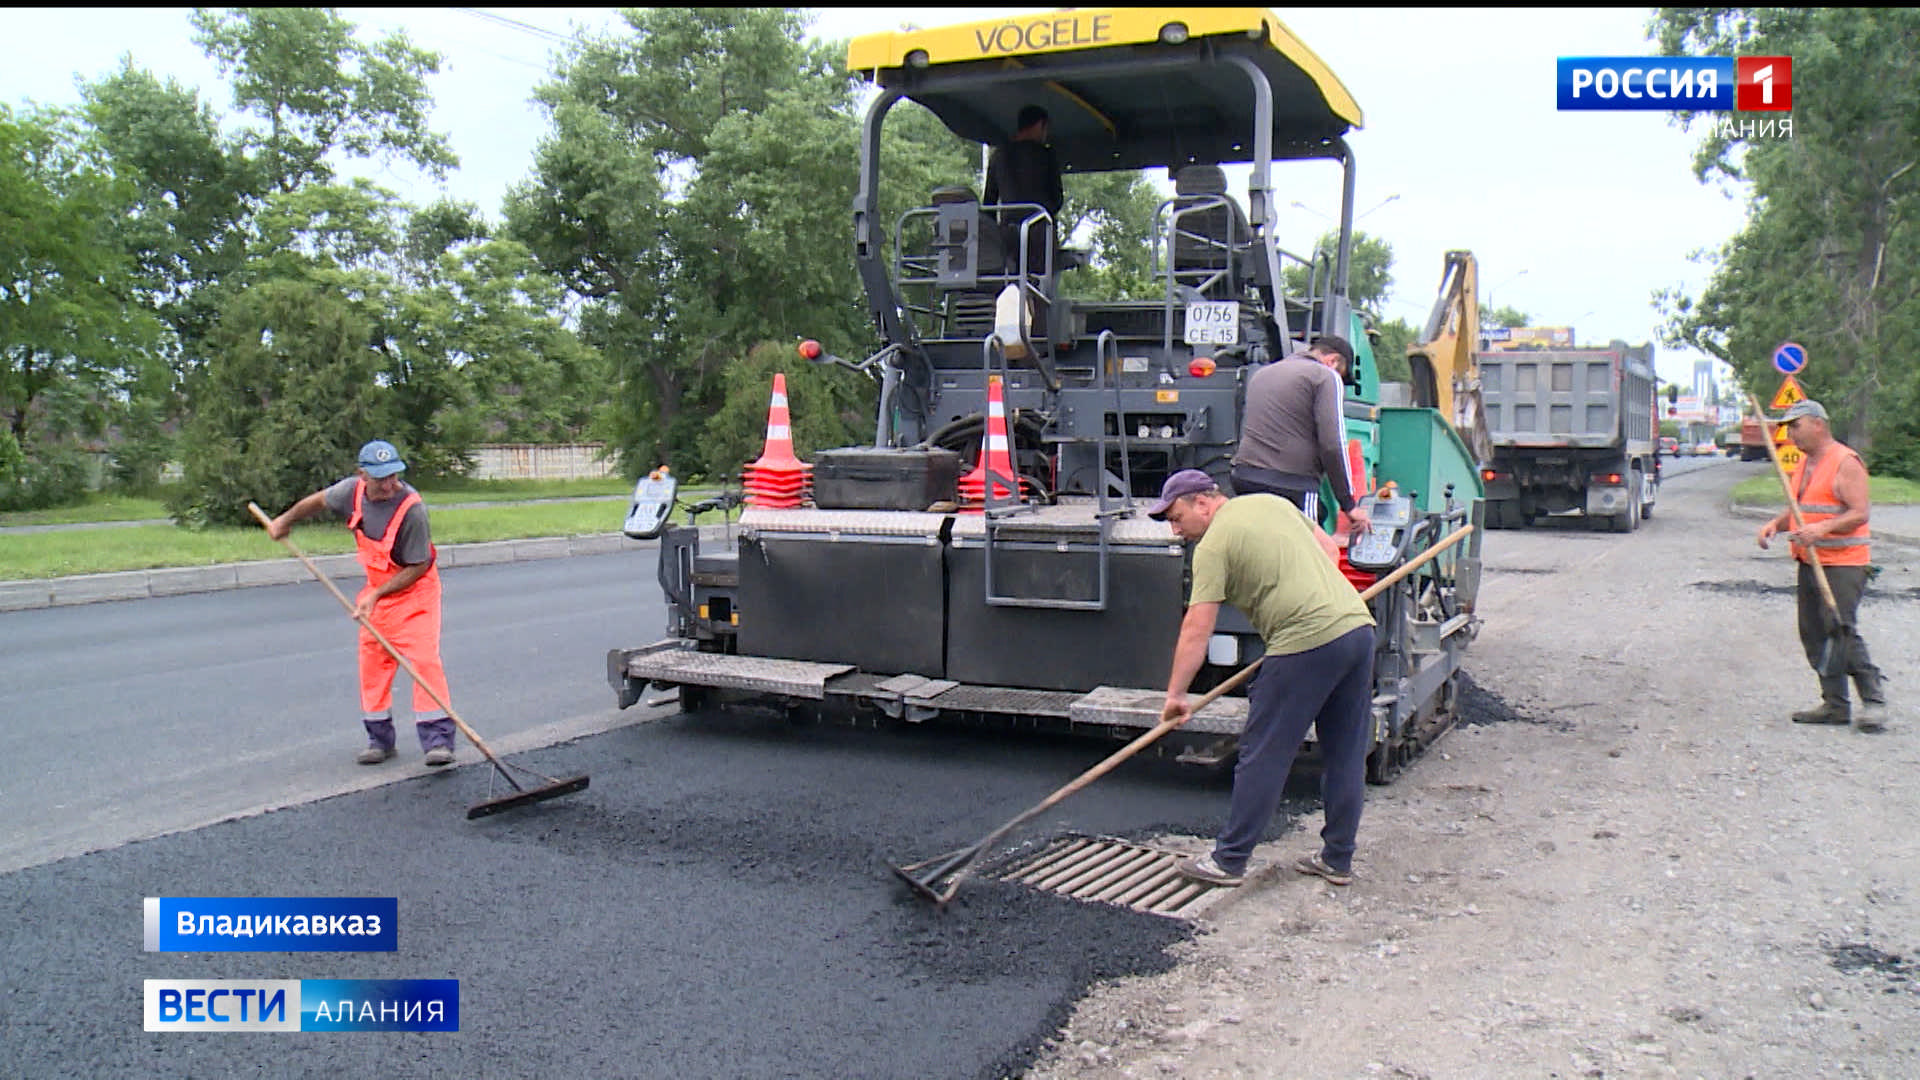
(1872, 717)
(436, 738)
(379, 741)
(1833, 705)
(1827, 713)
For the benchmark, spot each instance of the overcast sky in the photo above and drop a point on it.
(1575, 218)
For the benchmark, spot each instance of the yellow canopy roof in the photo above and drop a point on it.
(1118, 94)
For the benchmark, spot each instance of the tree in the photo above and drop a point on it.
(289, 398)
(1494, 318)
(467, 332)
(318, 90)
(69, 346)
(487, 311)
(694, 194)
(1829, 256)
(211, 214)
(190, 202)
(1115, 210)
(828, 407)
(1391, 339)
(1369, 270)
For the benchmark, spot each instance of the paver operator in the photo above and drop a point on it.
(1259, 553)
(1024, 171)
(1830, 485)
(1295, 431)
(401, 598)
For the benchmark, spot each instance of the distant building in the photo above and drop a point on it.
(1703, 383)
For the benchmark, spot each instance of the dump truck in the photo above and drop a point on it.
(1573, 430)
(1046, 598)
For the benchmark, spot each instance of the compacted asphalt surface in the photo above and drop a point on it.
(717, 903)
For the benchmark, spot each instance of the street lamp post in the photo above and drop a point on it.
(1503, 284)
(1376, 206)
(1298, 205)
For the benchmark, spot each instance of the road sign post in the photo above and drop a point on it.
(1789, 393)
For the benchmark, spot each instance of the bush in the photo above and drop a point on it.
(51, 477)
(289, 397)
(136, 461)
(829, 407)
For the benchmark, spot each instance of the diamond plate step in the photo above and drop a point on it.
(1127, 707)
(1002, 699)
(800, 678)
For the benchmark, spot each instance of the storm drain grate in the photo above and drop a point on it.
(1115, 872)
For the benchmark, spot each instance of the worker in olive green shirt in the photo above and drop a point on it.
(1259, 553)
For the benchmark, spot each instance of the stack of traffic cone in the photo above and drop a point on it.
(996, 456)
(779, 480)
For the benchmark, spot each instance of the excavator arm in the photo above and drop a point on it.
(1445, 377)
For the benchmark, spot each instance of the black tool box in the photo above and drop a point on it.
(884, 478)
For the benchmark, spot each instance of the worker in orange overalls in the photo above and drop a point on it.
(401, 598)
(1831, 487)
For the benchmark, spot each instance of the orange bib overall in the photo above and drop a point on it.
(410, 619)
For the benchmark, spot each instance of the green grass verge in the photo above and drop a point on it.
(104, 507)
(1764, 490)
(147, 547)
(98, 507)
(449, 491)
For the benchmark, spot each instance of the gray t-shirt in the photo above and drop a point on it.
(412, 546)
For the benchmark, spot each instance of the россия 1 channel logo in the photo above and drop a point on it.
(1690, 83)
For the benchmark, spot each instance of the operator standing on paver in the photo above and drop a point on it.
(401, 598)
(1295, 431)
(1831, 487)
(1259, 554)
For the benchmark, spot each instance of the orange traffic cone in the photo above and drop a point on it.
(779, 479)
(996, 457)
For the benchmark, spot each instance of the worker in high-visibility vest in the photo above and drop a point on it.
(1830, 485)
(401, 598)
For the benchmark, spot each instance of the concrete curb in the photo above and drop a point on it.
(140, 584)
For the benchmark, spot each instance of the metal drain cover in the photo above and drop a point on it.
(1115, 872)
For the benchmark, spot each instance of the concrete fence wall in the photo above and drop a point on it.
(574, 461)
(516, 461)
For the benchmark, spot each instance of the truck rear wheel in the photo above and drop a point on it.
(1629, 520)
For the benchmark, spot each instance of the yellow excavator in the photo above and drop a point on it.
(1444, 374)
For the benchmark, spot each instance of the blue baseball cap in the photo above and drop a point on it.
(378, 458)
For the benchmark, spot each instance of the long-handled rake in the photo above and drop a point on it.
(958, 864)
(550, 788)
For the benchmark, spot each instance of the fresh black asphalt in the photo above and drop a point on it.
(716, 904)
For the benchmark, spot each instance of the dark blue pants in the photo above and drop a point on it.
(1331, 688)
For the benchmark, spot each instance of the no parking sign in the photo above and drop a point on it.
(1789, 358)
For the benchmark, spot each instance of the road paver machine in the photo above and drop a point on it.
(1058, 605)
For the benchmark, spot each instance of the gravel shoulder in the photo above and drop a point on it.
(1633, 864)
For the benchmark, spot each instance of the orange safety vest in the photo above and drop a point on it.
(1819, 502)
(376, 556)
